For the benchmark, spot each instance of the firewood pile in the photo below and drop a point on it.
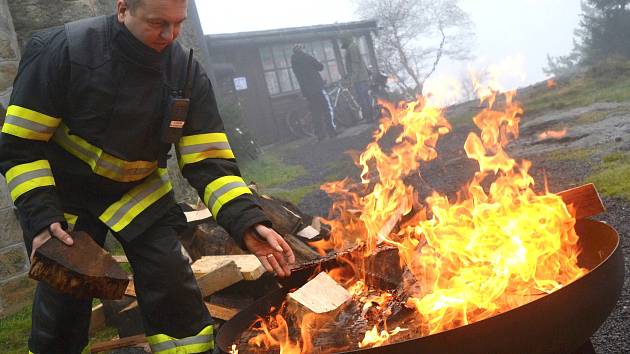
(228, 277)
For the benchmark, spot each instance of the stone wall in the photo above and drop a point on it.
(13, 260)
(18, 20)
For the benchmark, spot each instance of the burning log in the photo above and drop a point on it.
(321, 295)
(584, 199)
(84, 270)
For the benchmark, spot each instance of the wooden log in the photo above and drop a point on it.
(320, 295)
(284, 220)
(248, 265)
(303, 253)
(216, 276)
(584, 199)
(118, 343)
(83, 270)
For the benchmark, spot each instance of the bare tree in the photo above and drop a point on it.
(415, 35)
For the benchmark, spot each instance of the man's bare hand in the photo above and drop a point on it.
(54, 230)
(271, 249)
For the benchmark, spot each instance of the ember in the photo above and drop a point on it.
(498, 246)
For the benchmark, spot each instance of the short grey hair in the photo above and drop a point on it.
(132, 5)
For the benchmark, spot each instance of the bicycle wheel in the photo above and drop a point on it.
(346, 111)
(299, 123)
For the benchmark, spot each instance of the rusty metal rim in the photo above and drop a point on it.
(558, 322)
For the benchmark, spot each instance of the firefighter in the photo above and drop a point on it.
(95, 108)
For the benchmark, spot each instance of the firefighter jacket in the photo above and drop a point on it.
(83, 131)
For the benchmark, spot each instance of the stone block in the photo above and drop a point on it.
(5, 198)
(15, 293)
(8, 70)
(13, 262)
(7, 46)
(10, 231)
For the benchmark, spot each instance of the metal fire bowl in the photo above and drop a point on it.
(556, 323)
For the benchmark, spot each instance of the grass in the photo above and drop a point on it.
(611, 176)
(571, 154)
(15, 329)
(269, 170)
(296, 195)
(606, 82)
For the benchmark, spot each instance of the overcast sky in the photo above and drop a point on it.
(518, 31)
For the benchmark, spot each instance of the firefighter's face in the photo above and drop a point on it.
(155, 23)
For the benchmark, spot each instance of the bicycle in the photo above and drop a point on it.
(345, 109)
(378, 90)
(345, 112)
(244, 143)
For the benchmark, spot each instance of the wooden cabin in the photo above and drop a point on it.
(253, 69)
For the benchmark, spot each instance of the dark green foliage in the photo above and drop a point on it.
(603, 34)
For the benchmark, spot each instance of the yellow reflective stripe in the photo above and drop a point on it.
(71, 220)
(195, 148)
(100, 162)
(25, 177)
(132, 203)
(28, 124)
(165, 344)
(222, 190)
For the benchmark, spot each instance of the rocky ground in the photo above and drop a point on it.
(601, 129)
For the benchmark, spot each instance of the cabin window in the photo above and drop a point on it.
(276, 61)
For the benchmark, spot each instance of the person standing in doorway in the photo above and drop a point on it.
(307, 71)
(358, 74)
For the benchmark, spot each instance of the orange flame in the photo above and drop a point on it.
(551, 83)
(552, 134)
(497, 246)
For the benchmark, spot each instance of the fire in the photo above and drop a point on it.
(552, 134)
(375, 339)
(496, 246)
(551, 83)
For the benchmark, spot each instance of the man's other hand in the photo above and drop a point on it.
(271, 249)
(54, 230)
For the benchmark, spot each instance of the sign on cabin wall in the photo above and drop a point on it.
(240, 83)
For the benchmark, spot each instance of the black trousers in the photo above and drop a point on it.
(168, 296)
(321, 115)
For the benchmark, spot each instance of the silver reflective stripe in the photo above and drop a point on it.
(29, 124)
(156, 348)
(191, 149)
(150, 188)
(221, 191)
(100, 162)
(28, 176)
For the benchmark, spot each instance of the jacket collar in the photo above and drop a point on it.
(136, 51)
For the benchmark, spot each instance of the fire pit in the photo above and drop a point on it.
(556, 323)
(499, 268)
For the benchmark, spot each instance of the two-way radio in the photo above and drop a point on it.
(177, 108)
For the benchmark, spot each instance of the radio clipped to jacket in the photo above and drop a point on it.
(177, 109)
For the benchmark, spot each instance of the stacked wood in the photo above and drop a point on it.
(83, 270)
(133, 341)
(248, 265)
(217, 275)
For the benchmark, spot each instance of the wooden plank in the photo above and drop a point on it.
(197, 217)
(118, 343)
(320, 295)
(97, 319)
(221, 312)
(248, 264)
(131, 289)
(83, 270)
(584, 199)
(121, 259)
(217, 276)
